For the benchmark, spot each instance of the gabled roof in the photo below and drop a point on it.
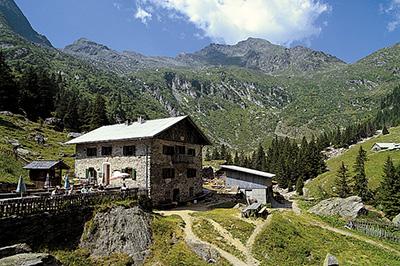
(45, 165)
(388, 145)
(136, 130)
(247, 170)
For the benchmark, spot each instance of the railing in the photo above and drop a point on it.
(182, 158)
(29, 206)
(390, 232)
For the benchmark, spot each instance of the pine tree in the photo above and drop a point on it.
(341, 182)
(385, 131)
(290, 185)
(99, 113)
(236, 159)
(360, 180)
(9, 90)
(259, 159)
(389, 191)
(300, 186)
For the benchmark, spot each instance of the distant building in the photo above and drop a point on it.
(38, 171)
(162, 155)
(385, 146)
(255, 185)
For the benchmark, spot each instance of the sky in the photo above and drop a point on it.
(348, 29)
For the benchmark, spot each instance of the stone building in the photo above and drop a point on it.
(162, 155)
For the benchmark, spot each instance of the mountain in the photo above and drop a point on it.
(11, 17)
(262, 55)
(252, 53)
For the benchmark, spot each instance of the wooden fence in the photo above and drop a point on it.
(380, 230)
(28, 206)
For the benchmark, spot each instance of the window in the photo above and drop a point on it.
(106, 151)
(192, 152)
(191, 192)
(191, 172)
(129, 150)
(180, 149)
(91, 151)
(130, 171)
(168, 172)
(168, 150)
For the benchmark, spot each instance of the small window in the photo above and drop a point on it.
(91, 151)
(192, 152)
(130, 171)
(106, 151)
(129, 150)
(191, 172)
(180, 149)
(191, 192)
(168, 172)
(168, 150)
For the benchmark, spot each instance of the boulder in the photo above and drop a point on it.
(396, 219)
(14, 249)
(23, 152)
(39, 138)
(52, 121)
(350, 207)
(14, 143)
(73, 135)
(7, 113)
(331, 260)
(119, 230)
(30, 259)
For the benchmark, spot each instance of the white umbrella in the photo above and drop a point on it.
(21, 188)
(47, 182)
(66, 182)
(118, 174)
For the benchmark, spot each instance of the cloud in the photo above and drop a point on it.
(143, 15)
(279, 21)
(393, 9)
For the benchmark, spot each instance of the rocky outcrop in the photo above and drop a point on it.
(331, 260)
(14, 249)
(30, 259)
(396, 219)
(119, 230)
(349, 207)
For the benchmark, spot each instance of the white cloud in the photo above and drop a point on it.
(143, 15)
(279, 21)
(392, 9)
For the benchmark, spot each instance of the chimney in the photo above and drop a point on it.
(140, 120)
(128, 122)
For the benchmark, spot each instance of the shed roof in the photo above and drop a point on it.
(136, 130)
(45, 165)
(247, 170)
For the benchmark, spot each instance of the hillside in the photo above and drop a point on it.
(16, 129)
(373, 167)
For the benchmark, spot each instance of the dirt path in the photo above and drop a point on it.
(191, 237)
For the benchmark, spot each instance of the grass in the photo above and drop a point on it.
(291, 240)
(18, 128)
(82, 257)
(228, 219)
(373, 167)
(206, 232)
(169, 247)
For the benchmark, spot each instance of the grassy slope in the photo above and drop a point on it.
(291, 240)
(374, 165)
(17, 128)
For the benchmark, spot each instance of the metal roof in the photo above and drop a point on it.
(389, 146)
(45, 165)
(247, 170)
(135, 130)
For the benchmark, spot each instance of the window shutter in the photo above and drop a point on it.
(87, 173)
(134, 173)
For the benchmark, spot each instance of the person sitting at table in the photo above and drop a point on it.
(123, 188)
(55, 191)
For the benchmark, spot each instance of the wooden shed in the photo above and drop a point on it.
(38, 170)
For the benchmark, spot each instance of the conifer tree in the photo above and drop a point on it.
(99, 113)
(385, 131)
(389, 191)
(360, 180)
(341, 182)
(259, 159)
(8, 88)
(236, 159)
(299, 186)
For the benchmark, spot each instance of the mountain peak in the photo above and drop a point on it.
(14, 19)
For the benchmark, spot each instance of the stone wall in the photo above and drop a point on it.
(117, 161)
(162, 189)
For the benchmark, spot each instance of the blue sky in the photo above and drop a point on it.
(348, 29)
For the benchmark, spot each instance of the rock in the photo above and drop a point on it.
(121, 230)
(73, 135)
(7, 113)
(396, 219)
(39, 138)
(53, 121)
(349, 207)
(331, 260)
(30, 259)
(23, 152)
(14, 142)
(14, 249)
(206, 252)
